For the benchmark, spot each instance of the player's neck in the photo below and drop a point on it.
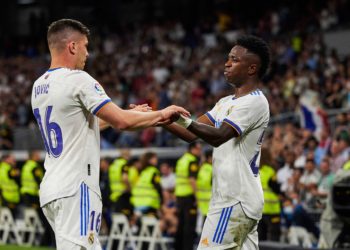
(245, 89)
(61, 62)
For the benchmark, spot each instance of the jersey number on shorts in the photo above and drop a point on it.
(252, 163)
(98, 221)
(50, 132)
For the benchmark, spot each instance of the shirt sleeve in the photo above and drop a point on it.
(239, 118)
(247, 114)
(212, 114)
(91, 94)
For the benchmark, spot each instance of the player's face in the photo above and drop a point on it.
(237, 66)
(82, 52)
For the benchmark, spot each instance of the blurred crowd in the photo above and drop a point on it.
(168, 63)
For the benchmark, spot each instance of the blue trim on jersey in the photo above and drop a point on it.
(256, 92)
(210, 117)
(225, 225)
(81, 209)
(233, 125)
(219, 224)
(100, 106)
(53, 69)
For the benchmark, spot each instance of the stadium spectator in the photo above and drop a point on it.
(340, 150)
(168, 218)
(309, 181)
(10, 184)
(186, 170)
(286, 172)
(324, 185)
(269, 225)
(105, 193)
(168, 176)
(6, 132)
(31, 175)
(120, 187)
(204, 183)
(147, 194)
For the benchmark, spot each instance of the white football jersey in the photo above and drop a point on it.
(64, 102)
(236, 162)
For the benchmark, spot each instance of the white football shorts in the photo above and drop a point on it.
(76, 220)
(229, 228)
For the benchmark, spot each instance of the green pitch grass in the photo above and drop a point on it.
(12, 247)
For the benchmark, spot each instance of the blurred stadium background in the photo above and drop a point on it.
(173, 52)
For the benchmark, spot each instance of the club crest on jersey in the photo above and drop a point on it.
(229, 111)
(91, 238)
(98, 88)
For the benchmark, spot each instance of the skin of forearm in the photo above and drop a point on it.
(207, 133)
(138, 120)
(128, 119)
(181, 132)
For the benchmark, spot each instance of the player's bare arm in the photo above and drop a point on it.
(142, 108)
(130, 119)
(185, 134)
(208, 133)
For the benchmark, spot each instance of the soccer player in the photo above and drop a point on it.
(70, 108)
(235, 127)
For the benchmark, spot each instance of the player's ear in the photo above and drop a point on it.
(252, 69)
(72, 47)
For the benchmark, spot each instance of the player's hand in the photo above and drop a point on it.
(171, 114)
(141, 108)
(164, 122)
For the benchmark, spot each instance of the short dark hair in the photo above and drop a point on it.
(57, 30)
(259, 47)
(193, 145)
(208, 153)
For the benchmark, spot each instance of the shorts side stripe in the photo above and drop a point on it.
(225, 225)
(81, 209)
(222, 225)
(84, 211)
(88, 208)
(219, 224)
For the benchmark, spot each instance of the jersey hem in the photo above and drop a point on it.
(230, 204)
(45, 199)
